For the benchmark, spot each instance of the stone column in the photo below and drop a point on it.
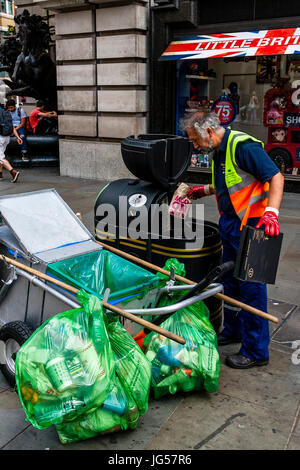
(101, 57)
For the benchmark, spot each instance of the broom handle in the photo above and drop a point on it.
(227, 299)
(113, 308)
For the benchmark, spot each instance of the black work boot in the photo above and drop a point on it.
(238, 361)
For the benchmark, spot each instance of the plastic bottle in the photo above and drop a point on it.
(115, 403)
(166, 355)
(76, 370)
(58, 373)
(173, 389)
(90, 361)
(98, 333)
(52, 411)
(133, 416)
(165, 370)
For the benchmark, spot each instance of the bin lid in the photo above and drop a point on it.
(41, 221)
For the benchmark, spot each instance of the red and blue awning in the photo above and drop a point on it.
(252, 43)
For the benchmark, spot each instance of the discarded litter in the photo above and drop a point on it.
(84, 373)
(190, 367)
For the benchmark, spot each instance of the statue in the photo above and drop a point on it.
(27, 60)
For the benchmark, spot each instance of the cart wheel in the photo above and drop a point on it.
(282, 158)
(13, 335)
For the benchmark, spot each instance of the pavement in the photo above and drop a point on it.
(255, 409)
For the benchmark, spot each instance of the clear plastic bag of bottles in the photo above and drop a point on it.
(188, 367)
(118, 412)
(128, 399)
(66, 368)
(132, 367)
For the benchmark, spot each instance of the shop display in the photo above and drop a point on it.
(225, 109)
(268, 69)
(234, 96)
(282, 118)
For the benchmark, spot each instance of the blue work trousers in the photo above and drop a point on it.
(251, 329)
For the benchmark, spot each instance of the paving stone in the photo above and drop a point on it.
(280, 310)
(218, 422)
(12, 417)
(290, 331)
(297, 429)
(275, 386)
(4, 385)
(150, 423)
(294, 443)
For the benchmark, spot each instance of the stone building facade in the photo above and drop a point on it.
(7, 9)
(102, 78)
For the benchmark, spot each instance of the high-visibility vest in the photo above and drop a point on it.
(249, 197)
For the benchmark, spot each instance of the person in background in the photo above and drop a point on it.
(6, 130)
(18, 116)
(248, 187)
(41, 121)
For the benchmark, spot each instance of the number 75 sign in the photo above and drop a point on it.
(225, 109)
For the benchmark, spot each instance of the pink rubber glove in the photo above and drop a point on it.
(270, 221)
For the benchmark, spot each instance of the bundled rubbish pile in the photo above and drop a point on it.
(82, 372)
(188, 367)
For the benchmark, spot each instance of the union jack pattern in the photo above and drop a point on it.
(253, 43)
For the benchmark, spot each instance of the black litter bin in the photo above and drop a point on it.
(199, 255)
(159, 158)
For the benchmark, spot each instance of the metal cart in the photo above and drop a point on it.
(41, 231)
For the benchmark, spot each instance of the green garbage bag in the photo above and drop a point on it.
(128, 399)
(118, 412)
(186, 367)
(66, 367)
(132, 367)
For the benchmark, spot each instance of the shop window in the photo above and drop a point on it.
(9, 7)
(256, 95)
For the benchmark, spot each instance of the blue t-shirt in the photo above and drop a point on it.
(250, 157)
(16, 119)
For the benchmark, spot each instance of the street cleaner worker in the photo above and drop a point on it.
(248, 187)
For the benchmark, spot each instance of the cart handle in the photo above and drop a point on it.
(226, 298)
(113, 308)
(179, 305)
(212, 276)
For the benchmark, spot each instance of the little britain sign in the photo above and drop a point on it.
(251, 43)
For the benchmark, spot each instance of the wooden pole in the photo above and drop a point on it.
(113, 308)
(227, 299)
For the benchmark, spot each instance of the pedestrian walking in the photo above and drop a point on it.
(18, 116)
(6, 130)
